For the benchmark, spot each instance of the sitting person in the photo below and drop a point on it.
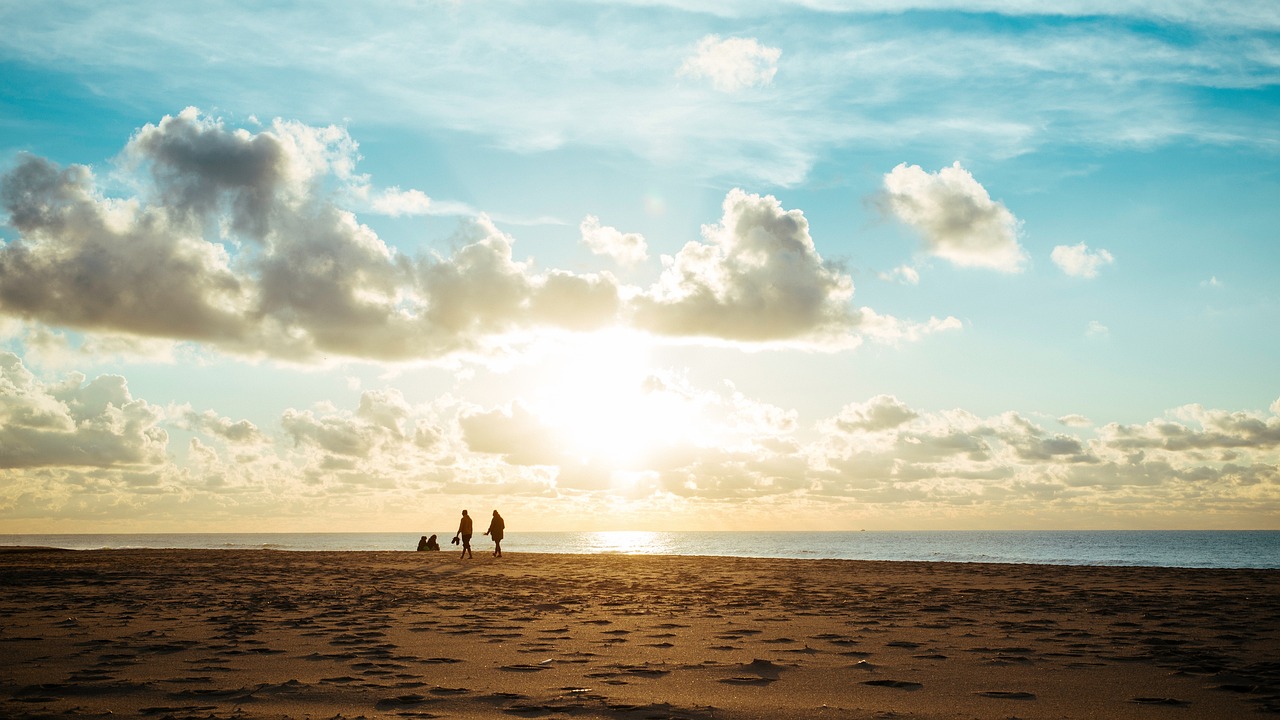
(432, 544)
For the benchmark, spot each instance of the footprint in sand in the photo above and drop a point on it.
(896, 684)
(748, 680)
(1007, 694)
(1172, 702)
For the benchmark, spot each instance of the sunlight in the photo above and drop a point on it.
(608, 405)
(626, 542)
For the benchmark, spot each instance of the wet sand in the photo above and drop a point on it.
(264, 634)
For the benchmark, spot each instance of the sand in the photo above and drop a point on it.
(267, 634)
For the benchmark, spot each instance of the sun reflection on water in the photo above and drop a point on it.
(628, 542)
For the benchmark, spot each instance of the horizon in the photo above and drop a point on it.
(885, 267)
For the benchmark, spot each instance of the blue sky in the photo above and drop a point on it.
(646, 265)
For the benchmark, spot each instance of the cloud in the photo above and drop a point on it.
(1075, 420)
(756, 277)
(240, 432)
(956, 218)
(396, 202)
(882, 412)
(234, 240)
(904, 274)
(1079, 261)
(733, 64)
(512, 432)
(74, 423)
(1097, 330)
(88, 454)
(235, 243)
(627, 249)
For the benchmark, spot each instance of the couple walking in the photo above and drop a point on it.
(496, 527)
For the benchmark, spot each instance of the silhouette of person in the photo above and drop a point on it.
(422, 543)
(428, 543)
(464, 532)
(496, 526)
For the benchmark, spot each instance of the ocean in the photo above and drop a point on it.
(1200, 549)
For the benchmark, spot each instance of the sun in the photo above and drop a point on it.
(608, 405)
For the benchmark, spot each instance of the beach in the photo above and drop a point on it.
(248, 634)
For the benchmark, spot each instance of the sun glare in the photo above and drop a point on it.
(608, 405)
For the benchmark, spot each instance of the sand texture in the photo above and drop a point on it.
(264, 634)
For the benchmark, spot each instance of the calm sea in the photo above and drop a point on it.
(1206, 549)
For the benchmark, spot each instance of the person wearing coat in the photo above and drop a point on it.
(495, 531)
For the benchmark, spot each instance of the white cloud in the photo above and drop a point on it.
(732, 64)
(757, 277)
(1212, 282)
(1096, 329)
(1092, 77)
(233, 241)
(883, 412)
(1079, 261)
(74, 423)
(1075, 420)
(312, 280)
(955, 217)
(904, 274)
(396, 202)
(77, 451)
(625, 248)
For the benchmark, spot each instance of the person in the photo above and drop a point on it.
(422, 543)
(464, 532)
(496, 526)
(428, 543)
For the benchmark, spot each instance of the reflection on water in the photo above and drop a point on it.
(626, 542)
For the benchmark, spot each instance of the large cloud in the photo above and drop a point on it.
(235, 239)
(756, 277)
(955, 217)
(234, 242)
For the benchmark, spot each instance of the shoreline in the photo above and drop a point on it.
(225, 633)
(452, 551)
(1220, 549)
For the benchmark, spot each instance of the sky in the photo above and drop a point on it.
(645, 265)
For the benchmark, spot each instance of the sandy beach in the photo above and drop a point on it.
(264, 634)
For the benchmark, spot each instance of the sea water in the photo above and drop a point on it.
(1204, 549)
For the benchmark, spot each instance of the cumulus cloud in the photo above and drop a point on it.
(512, 432)
(756, 277)
(234, 239)
(882, 412)
(1079, 261)
(955, 217)
(74, 423)
(625, 248)
(241, 432)
(732, 64)
(309, 280)
(75, 448)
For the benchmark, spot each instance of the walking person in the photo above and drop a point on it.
(464, 532)
(496, 526)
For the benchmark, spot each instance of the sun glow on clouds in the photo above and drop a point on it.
(609, 406)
